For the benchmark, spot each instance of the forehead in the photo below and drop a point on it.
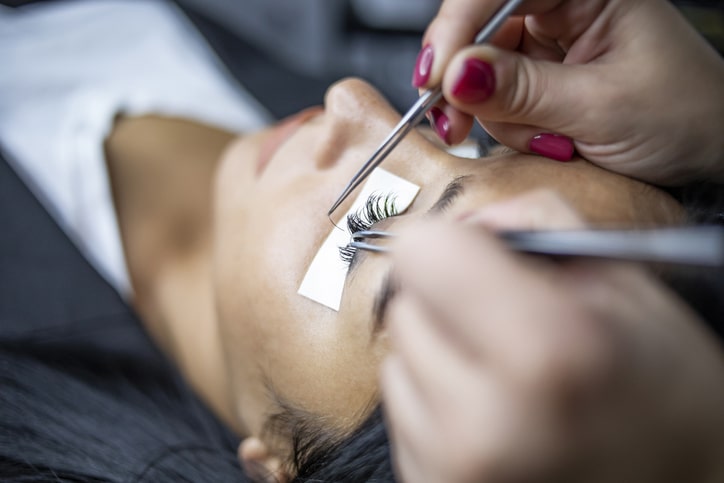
(601, 197)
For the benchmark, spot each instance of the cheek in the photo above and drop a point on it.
(325, 368)
(267, 232)
(237, 165)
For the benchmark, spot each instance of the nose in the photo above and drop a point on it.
(357, 119)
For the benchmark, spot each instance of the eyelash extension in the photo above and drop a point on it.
(378, 207)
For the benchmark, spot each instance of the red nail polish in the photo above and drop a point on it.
(476, 82)
(441, 123)
(423, 66)
(552, 146)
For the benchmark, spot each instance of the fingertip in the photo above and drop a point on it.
(431, 59)
(455, 27)
(450, 125)
(472, 78)
(440, 124)
(553, 146)
(530, 140)
(460, 125)
(423, 66)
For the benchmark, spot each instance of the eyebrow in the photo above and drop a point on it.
(451, 192)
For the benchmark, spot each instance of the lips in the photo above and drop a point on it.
(280, 133)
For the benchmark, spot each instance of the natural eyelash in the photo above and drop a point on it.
(378, 207)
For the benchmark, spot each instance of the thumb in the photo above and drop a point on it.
(497, 85)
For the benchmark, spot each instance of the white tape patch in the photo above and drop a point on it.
(324, 281)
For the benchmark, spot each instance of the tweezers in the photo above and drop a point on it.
(694, 245)
(417, 112)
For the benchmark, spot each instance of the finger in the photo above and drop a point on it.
(420, 440)
(469, 282)
(455, 26)
(404, 406)
(455, 126)
(532, 140)
(542, 209)
(497, 304)
(451, 125)
(435, 365)
(406, 418)
(496, 85)
(407, 465)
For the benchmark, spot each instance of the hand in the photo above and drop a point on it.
(629, 84)
(512, 368)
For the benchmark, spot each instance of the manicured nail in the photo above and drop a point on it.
(423, 66)
(552, 146)
(441, 123)
(476, 82)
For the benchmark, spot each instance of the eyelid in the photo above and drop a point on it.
(377, 208)
(366, 218)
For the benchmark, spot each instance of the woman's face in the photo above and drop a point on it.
(273, 192)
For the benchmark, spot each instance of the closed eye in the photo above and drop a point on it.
(378, 207)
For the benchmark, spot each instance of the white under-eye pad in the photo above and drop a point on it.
(325, 277)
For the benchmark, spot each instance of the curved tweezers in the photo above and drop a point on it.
(417, 112)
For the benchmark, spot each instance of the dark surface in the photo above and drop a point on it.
(71, 353)
(384, 57)
(46, 286)
(285, 89)
(280, 89)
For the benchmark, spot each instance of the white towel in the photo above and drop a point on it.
(68, 68)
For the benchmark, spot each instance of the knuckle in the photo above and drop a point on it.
(525, 90)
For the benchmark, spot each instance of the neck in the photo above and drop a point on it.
(162, 174)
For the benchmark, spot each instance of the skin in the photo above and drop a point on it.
(601, 375)
(590, 70)
(222, 300)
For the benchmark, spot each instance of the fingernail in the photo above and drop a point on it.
(552, 146)
(423, 66)
(476, 82)
(441, 123)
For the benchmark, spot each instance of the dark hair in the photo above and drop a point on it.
(71, 414)
(362, 456)
(319, 452)
(701, 288)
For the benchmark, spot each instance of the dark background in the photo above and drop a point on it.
(287, 52)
